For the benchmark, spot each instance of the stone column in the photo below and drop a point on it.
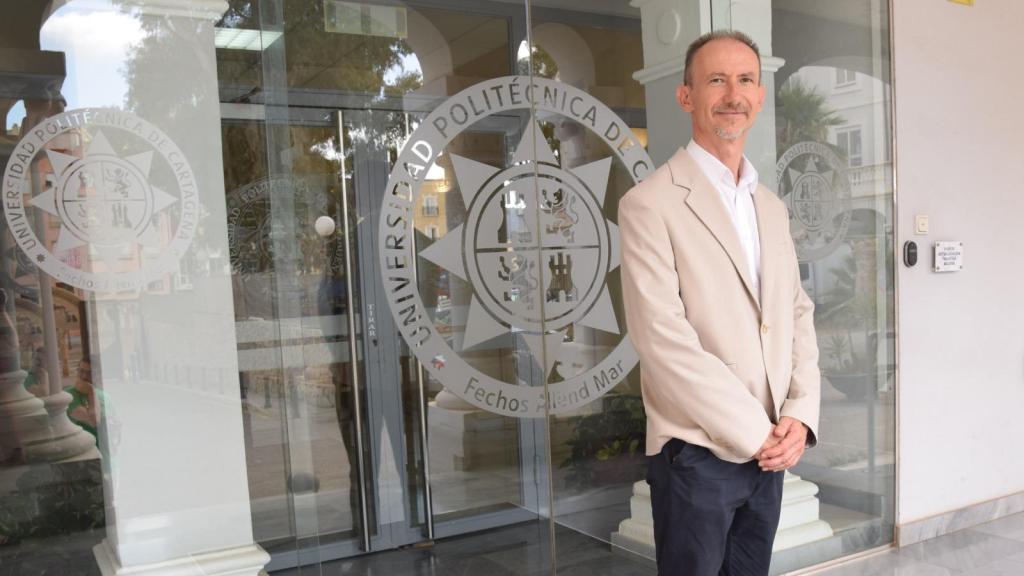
(754, 18)
(668, 27)
(164, 354)
(800, 522)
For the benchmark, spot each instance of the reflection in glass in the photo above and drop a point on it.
(319, 390)
(316, 101)
(826, 147)
(850, 278)
(833, 170)
(597, 449)
(368, 73)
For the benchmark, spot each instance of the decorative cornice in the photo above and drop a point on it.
(660, 70)
(769, 64)
(772, 64)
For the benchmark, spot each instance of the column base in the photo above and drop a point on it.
(241, 561)
(36, 430)
(65, 440)
(799, 524)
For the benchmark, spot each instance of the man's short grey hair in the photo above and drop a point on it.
(699, 43)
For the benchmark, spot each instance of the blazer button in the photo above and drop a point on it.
(764, 328)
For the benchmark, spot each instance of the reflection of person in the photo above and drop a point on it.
(87, 402)
(722, 326)
(332, 301)
(37, 381)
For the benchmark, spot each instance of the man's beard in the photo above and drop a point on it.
(729, 134)
(724, 133)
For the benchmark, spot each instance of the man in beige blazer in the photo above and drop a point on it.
(725, 333)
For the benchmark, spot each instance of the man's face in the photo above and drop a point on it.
(85, 371)
(724, 95)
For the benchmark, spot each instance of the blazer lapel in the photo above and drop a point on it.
(768, 243)
(705, 202)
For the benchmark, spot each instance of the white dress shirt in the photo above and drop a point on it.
(739, 202)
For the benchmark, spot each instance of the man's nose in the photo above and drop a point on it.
(732, 89)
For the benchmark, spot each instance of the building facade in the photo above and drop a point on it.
(334, 286)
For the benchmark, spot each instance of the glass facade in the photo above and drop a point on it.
(290, 282)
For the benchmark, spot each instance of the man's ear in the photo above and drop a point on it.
(683, 97)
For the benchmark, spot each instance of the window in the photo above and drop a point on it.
(845, 77)
(430, 205)
(431, 231)
(15, 117)
(848, 140)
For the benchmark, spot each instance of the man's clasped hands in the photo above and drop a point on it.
(784, 446)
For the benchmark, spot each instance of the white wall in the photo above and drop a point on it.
(960, 159)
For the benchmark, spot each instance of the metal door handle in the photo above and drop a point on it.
(353, 349)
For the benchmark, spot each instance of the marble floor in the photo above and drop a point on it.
(992, 549)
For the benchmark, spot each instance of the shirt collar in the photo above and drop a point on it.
(717, 172)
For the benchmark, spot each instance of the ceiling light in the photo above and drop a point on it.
(244, 39)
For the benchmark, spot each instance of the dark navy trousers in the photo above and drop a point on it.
(712, 517)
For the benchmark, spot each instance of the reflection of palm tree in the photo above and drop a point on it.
(802, 115)
(848, 323)
(544, 66)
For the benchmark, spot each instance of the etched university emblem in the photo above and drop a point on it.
(813, 183)
(535, 249)
(249, 222)
(100, 199)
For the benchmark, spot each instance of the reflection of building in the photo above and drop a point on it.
(432, 216)
(69, 330)
(848, 279)
(860, 103)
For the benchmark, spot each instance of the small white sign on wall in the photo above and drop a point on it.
(949, 256)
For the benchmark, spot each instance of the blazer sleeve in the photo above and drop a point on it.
(680, 377)
(803, 401)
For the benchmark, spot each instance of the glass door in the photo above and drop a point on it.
(292, 300)
(440, 466)
(336, 445)
(353, 444)
(825, 141)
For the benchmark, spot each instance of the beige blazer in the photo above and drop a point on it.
(717, 366)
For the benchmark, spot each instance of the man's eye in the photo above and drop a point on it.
(716, 81)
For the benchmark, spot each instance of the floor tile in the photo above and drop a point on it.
(964, 550)
(1008, 527)
(889, 564)
(991, 550)
(994, 549)
(1002, 567)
